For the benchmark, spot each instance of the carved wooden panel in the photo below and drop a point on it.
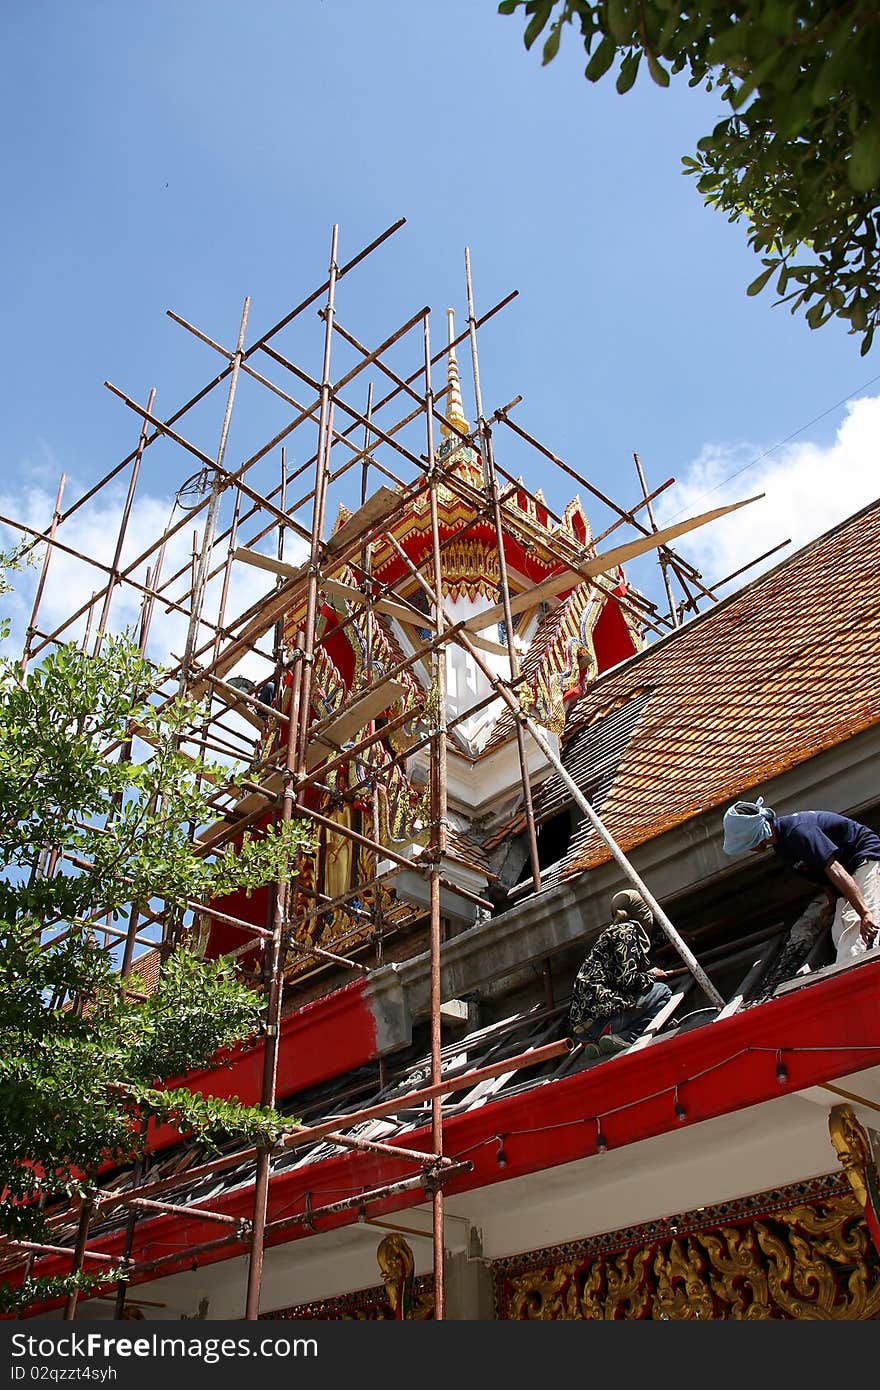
(802, 1252)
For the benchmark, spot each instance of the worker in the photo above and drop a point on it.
(840, 854)
(617, 991)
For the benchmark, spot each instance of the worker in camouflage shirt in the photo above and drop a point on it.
(617, 991)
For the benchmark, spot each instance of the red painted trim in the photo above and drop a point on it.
(326, 1038)
(827, 1030)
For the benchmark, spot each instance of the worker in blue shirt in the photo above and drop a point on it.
(839, 853)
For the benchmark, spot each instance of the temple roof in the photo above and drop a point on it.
(774, 675)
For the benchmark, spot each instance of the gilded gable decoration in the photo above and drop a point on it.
(803, 1253)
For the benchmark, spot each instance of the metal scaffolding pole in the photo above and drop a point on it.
(299, 781)
(437, 773)
(32, 625)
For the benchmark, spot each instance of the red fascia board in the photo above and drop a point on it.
(826, 1030)
(329, 1037)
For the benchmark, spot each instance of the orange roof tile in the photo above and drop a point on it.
(144, 975)
(770, 677)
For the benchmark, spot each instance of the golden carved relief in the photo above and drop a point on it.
(539, 1294)
(811, 1262)
(398, 1268)
(683, 1290)
(853, 1148)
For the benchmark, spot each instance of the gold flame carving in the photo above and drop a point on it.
(812, 1262)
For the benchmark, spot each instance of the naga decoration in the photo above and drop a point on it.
(402, 1298)
(856, 1155)
(397, 1264)
(567, 664)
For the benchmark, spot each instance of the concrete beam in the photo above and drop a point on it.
(683, 860)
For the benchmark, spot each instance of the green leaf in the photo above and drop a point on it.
(551, 47)
(726, 45)
(628, 72)
(601, 60)
(619, 20)
(657, 71)
(509, 6)
(778, 17)
(863, 167)
(833, 75)
(858, 316)
(537, 21)
(758, 284)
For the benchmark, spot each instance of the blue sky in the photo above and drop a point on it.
(183, 156)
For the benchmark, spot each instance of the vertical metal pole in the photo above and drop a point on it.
(278, 640)
(41, 1205)
(375, 822)
(200, 578)
(322, 478)
(375, 814)
(146, 603)
(661, 554)
(227, 574)
(31, 627)
(130, 1224)
(152, 583)
(85, 1216)
(114, 578)
(274, 972)
(153, 586)
(90, 617)
(491, 476)
(437, 772)
(198, 597)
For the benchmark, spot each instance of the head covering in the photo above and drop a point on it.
(746, 825)
(630, 906)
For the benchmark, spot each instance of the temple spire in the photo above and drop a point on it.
(454, 408)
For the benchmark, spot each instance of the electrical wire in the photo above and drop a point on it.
(767, 452)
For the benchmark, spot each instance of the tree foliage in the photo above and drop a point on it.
(798, 155)
(82, 1062)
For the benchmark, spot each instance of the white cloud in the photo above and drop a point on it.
(808, 489)
(92, 532)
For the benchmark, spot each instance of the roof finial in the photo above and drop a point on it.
(454, 408)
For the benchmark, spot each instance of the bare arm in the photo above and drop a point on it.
(845, 884)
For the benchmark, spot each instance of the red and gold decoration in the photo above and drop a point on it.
(567, 663)
(799, 1253)
(856, 1155)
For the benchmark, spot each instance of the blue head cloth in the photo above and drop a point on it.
(746, 825)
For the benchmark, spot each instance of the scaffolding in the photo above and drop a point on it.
(391, 440)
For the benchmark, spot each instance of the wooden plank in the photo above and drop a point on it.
(345, 593)
(321, 747)
(376, 699)
(660, 1018)
(254, 800)
(238, 706)
(382, 503)
(592, 568)
(209, 833)
(486, 645)
(275, 604)
(268, 562)
(754, 975)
